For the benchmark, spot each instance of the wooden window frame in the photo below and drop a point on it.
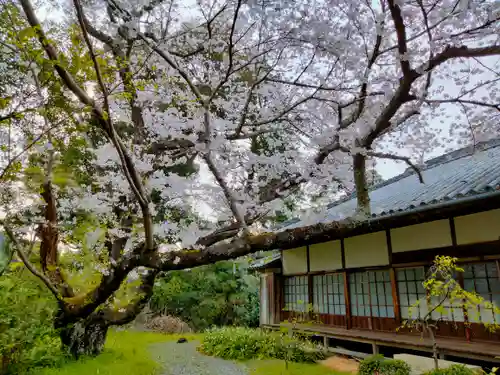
(295, 297)
(337, 290)
(368, 287)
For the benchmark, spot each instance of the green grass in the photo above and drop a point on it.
(126, 352)
(277, 367)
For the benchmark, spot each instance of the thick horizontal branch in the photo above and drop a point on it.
(228, 231)
(297, 237)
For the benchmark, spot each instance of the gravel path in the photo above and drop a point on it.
(183, 359)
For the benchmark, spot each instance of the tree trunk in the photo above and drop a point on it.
(362, 196)
(435, 350)
(85, 337)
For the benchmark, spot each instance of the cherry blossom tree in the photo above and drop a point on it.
(143, 114)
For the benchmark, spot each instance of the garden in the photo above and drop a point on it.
(149, 150)
(196, 323)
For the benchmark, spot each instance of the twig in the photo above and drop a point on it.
(173, 64)
(27, 147)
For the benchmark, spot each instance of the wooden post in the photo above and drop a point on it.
(375, 349)
(395, 296)
(272, 298)
(310, 295)
(279, 285)
(347, 300)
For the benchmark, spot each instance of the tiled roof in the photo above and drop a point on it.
(467, 172)
(266, 261)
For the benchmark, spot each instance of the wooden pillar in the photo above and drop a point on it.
(278, 299)
(375, 349)
(395, 296)
(272, 298)
(347, 301)
(310, 294)
(264, 300)
(309, 285)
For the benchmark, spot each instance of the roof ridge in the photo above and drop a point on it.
(429, 164)
(462, 152)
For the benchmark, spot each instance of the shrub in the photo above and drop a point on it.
(454, 370)
(382, 366)
(219, 294)
(167, 324)
(239, 343)
(27, 336)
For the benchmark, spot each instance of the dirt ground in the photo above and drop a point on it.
(341, 364)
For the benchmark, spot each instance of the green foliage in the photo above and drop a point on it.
(383, 366)
(441, 283)
(27, 336)
(453, 370)
(238, 343)
(220, 294)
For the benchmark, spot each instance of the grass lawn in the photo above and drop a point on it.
(126, 353)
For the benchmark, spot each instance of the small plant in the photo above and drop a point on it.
(378, 365)
(302, 314)
(237, 343)
(444, 291)
(455, 370)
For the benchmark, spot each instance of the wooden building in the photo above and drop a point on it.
(362, 285)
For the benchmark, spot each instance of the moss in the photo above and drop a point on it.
(78, 300)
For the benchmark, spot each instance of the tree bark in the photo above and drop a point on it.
(84, 337)
(435, 350)
(363, 198)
